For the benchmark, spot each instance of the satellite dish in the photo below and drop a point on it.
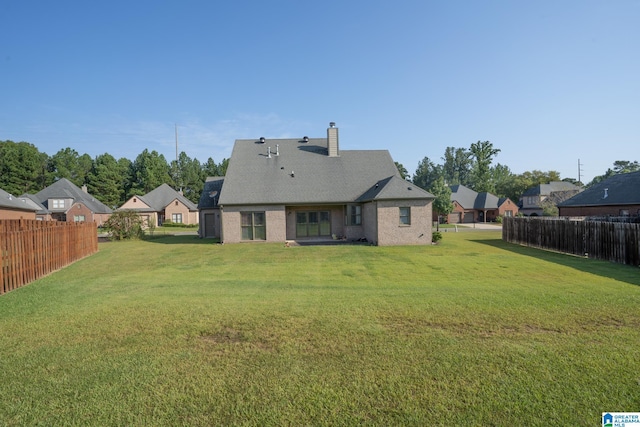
(213, 194)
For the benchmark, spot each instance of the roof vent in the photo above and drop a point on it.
(277, 149)
(332, 124)
(305, 138)
(262, 140)
(606, 193)
(269, 152)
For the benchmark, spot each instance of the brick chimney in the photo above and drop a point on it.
(333, 148)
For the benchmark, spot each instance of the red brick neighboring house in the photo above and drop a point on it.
(12, 207)
(65, 201)
(618, 195)
(470, 206)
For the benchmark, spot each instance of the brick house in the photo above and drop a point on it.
(65, 201)
(470, 206)
(307, 189)
(618, 195)
(12, 207)
(161, 204)
(555, 192)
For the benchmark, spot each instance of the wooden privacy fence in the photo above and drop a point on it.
(30, 249)
(610, 241)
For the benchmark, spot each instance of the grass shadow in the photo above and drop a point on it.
(621, 272)
(185, 239)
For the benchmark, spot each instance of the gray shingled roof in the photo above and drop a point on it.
(469, 199)
(547, 189)
(394, 188)
(621, 189)
(301, 172)
(9, 201)
(65, 189)
(465, 196)
(161, 196)
(211, 192)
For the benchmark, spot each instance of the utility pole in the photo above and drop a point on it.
(579, 171)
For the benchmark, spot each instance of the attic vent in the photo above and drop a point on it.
(409, 188)
(305, 138)
(262, 140)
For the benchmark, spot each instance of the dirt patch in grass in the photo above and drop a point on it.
(228, 338)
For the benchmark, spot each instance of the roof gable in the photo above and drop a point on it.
(394, 188)
(161, 196)
(65, 189)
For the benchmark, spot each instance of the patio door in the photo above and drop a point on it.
(313, 224)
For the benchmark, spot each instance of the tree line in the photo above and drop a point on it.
(474, 168)
(24, 169)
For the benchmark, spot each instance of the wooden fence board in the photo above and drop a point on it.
(610, 241)
(31, 249)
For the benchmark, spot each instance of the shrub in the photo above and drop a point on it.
(124, 225)
(436, 236)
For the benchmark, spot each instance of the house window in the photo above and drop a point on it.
(354, 215)
(78, 218)
(176, 218)
(405, 216)
(57, 204)
(310, 224)
(508, 213)
(253, 226)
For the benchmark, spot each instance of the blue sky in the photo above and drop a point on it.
(547, 82)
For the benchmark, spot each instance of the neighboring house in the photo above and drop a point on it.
(42, 213)
(208, 207)
(65, 201)
(618, 195)
(470, 206)
(12, 207)
(163, 204)
(308, 189)
(534, 198)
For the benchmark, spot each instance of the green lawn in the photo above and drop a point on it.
(181, 331)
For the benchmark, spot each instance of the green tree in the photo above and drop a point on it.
(457, 166)
(483, 154)
(148, 171)
(404, 173)
(442, 205)
(67, 163)
(210, 168)
(625, 166)
(104, 180)
(23, 169)
(502, 179)
(124, 225)
(426, 173)
(188, 176)
(125, 169)
(222, 167)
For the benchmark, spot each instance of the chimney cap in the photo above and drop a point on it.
(332, 124)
